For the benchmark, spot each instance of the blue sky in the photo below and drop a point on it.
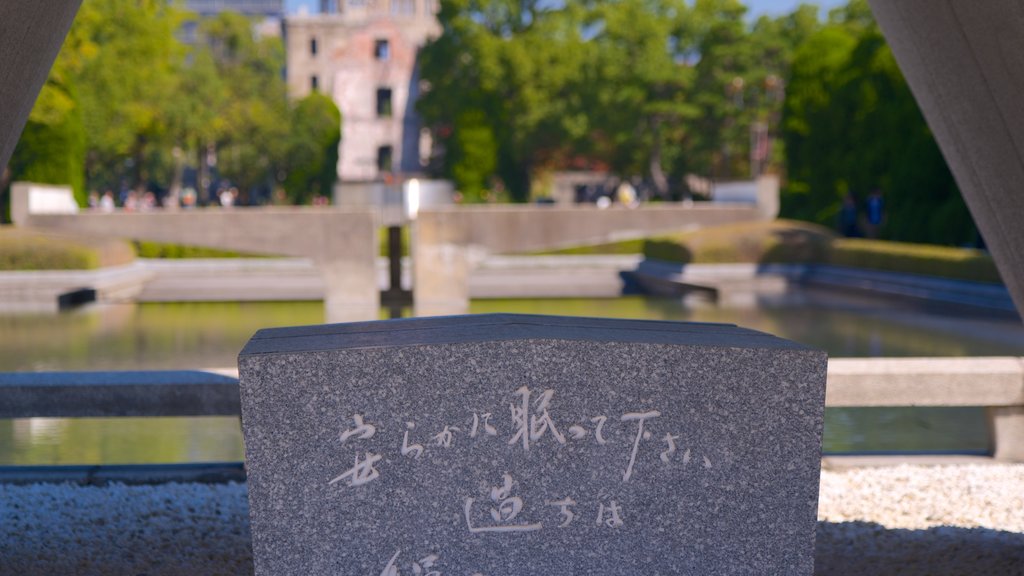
(757, 7)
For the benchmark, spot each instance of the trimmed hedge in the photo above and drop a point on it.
(634, 246)
(788, 241)
(944, 261)
(785, 241)
(780, 241)
(27, 250)
(145, 249)
(175, 251)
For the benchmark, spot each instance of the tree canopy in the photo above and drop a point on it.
(646, 88)
(852, 126)
(652, 91)
(128, 104)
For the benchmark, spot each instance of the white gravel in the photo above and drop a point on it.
(168, 529)
(935, 520)
(938, 520)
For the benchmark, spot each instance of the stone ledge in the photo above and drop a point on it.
(992, 381)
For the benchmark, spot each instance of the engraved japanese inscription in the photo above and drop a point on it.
(576, 447)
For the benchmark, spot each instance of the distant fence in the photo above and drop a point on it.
(995, 383)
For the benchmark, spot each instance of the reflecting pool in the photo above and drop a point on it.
(210, 335)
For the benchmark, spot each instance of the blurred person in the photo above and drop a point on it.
(107, 201)
(148, 201)
(188, 197)
(227, 199)
(849, 224)
(131, 201)
(875, 208)
(626, 194)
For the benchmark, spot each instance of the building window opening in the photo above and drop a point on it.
(314, 83)
(403, 7)
(384, 159)
(312, 46)
(383, 102)
(382, 50)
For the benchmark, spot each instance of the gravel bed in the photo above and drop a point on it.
(937, 520)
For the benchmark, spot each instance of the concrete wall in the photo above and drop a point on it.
(449, 242)
(30, 198)
(343, 244)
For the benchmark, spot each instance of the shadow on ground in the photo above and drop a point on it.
(862, 548)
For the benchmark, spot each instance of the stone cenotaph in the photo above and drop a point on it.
(502, 444)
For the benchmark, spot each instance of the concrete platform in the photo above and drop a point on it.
(298, 279)
(23, 292)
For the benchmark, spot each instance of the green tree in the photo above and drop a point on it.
(312, 165)
(52, 146)
(126, 79)
(809, 130)
(742, 73)
(473, 154)
(516, 63)
(252, 131)
(640, 80)
(196, 119)
(852, 125)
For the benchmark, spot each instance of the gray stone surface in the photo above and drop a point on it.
(472, 495)
(112, 394)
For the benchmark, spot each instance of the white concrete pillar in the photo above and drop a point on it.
(441, 263)
(1006, 425)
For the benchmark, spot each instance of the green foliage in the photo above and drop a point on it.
(126, 63)
(24, 250)
(144, 249)
(473, 154)
(641, 110)
(313, 149)
(52, 146)
(651, 88)
(852, 125)
(128, 103)
(944, 261)
(622, 247)
(252, 144)
(780, 241)
(515, 63)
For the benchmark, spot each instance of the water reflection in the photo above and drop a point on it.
(45, 441)
(204, 335)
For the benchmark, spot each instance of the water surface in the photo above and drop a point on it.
(204, 335)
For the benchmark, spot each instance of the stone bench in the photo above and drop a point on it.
(113, 394)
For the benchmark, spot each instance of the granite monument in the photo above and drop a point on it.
(509, 445)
